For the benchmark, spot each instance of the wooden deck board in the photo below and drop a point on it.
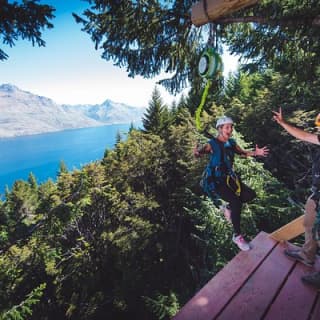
(259, 284)
(258, 292)
(295, 300)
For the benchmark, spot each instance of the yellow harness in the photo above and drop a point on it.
(236, 187)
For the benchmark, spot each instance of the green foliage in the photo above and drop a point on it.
(19, 211)
(62, 168)
(155, 118)
(22, 201)
(285, 37)
(279, 34)
(23, 311)
(170, 43)
(271, 209)
(23, 20)
(98, 236)
(164, 307)
(32, 181)
(118, 138)
(250, 100)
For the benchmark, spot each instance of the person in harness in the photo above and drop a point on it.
(220, 179)
(307, 253)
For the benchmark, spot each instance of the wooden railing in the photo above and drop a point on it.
(289, 231)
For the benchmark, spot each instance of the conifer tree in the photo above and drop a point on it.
(250, 100)
(24, 309)
(132, 127)
(62, 168)
(110, 227)
(153, 120)
(269, 33)
(118, 138)
(32, 181)
(23, 20)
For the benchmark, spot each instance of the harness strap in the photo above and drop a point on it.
(223, 163)
(237, 182)
(230, 175)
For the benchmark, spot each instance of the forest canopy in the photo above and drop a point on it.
(268, 34)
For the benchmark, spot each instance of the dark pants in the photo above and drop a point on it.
(235, 202)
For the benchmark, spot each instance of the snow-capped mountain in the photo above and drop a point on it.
(24, 113)
(108, 112)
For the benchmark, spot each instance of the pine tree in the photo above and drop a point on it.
(284, 34)
(62, 168)
(153, 120)
(32, 181)
(24, 309)
(131, 128)
(250, 100)
(118, 138)
(23, 20)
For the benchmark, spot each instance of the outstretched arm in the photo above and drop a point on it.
(294, 131)
(200, 150)
(258, 152)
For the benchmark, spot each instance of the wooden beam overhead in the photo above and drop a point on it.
(206, 11)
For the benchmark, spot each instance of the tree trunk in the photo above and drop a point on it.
(209, 10)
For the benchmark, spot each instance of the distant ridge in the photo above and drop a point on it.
(24, 113)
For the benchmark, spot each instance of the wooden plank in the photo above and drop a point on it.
(213, 297)
(216, 9)
(295, 300)
(258, 292)
(290, 230)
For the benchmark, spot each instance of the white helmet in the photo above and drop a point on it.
(223, 120)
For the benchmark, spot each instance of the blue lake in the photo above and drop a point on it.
(41, 154)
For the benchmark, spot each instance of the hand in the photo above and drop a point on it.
(278, 116)
(196, 152)
(261, 152)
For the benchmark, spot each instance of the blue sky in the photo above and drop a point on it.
(69, 70)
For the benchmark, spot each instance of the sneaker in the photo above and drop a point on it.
(296, 255)
(240, 242)
(226, 212)
(312, 279)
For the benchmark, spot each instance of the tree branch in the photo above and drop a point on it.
(292, 21)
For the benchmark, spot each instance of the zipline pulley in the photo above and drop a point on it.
(210, 67)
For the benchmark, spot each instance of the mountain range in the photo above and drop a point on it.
(25, 113)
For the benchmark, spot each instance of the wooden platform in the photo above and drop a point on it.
(258, 284)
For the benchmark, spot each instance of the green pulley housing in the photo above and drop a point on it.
(210, 67)
(210, 64)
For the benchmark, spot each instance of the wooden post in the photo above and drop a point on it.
(216, 9)
(290, 230)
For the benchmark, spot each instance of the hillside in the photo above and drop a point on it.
(24, 113)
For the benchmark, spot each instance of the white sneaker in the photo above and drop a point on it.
(241, 243)
(226, 212)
